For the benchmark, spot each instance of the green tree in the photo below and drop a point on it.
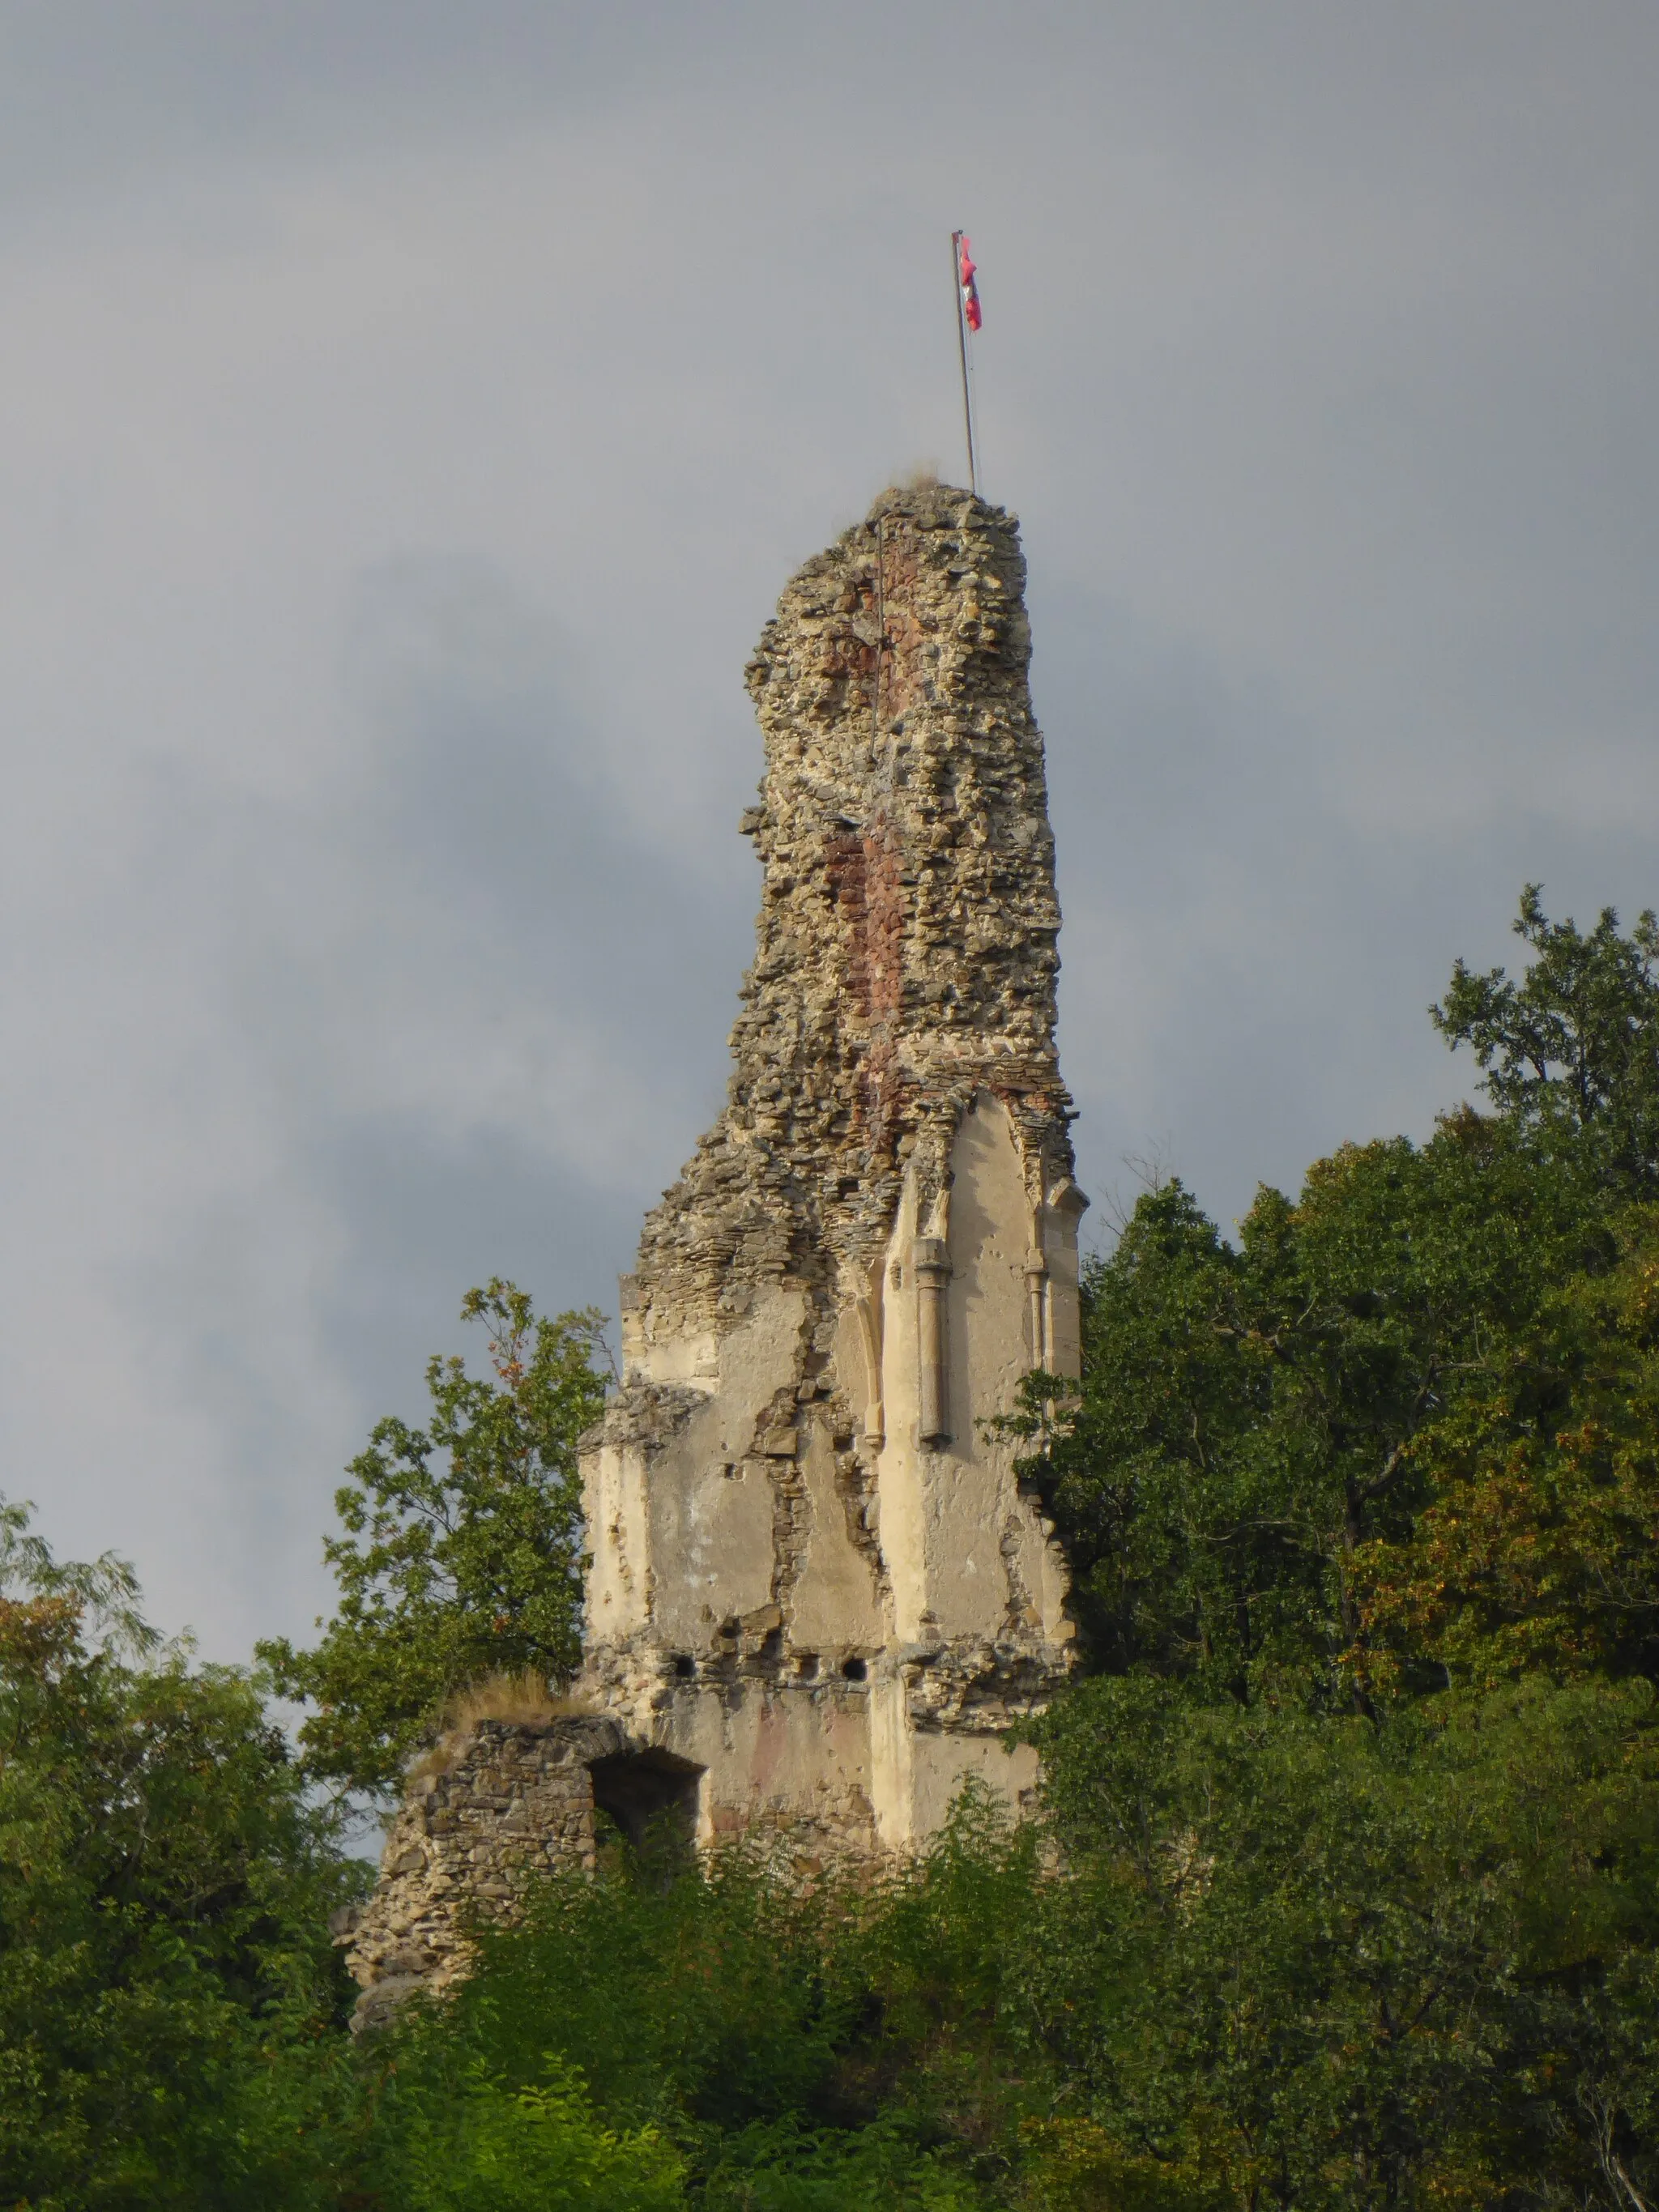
(170, 2005)
(1307, 1962)
(1247, 1415)
(1573, 1047)
(1412, 1407)
(1252, 1958)
(1538, 1546)
(1344, 1894)
(462, 1555)
(457, 2139)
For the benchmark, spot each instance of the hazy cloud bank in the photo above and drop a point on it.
(410, 422)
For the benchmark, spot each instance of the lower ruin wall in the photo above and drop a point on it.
(508, 1801)
(516, 1799)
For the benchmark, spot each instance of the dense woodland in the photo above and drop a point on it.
(1346, 1892)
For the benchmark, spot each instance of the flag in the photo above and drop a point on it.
(969, 287)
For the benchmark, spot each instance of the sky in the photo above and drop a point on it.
(411, 413)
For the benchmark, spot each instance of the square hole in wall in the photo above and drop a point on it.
(641, 1792)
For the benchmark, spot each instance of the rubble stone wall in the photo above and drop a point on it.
(517, 1799)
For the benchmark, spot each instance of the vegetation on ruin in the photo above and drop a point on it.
(1346, 1892)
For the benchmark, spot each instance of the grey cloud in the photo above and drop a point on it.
(475, 1011)
(1248, 963)
(412, 414)
(489, 794)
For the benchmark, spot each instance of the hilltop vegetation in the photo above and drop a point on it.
(1346, 1892)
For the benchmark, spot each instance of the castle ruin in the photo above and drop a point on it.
(818, 1594)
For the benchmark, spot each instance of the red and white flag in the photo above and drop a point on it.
(969, 275)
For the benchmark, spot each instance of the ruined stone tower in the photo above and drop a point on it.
(818, 1594)
(817, 1589)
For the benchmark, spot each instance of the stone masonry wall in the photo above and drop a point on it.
(906, 952)
(517, 1800)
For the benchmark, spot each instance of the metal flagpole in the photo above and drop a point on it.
(961, 347)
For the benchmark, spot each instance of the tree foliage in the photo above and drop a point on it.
(804, 2046)
(462, 1552)
(460, 2140)
(1403, 1432)
(1537, 1546)
(167, 1993)
(1251, 1417)
(1316, 1963)
(1573, 1045)
(1293, 1960)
